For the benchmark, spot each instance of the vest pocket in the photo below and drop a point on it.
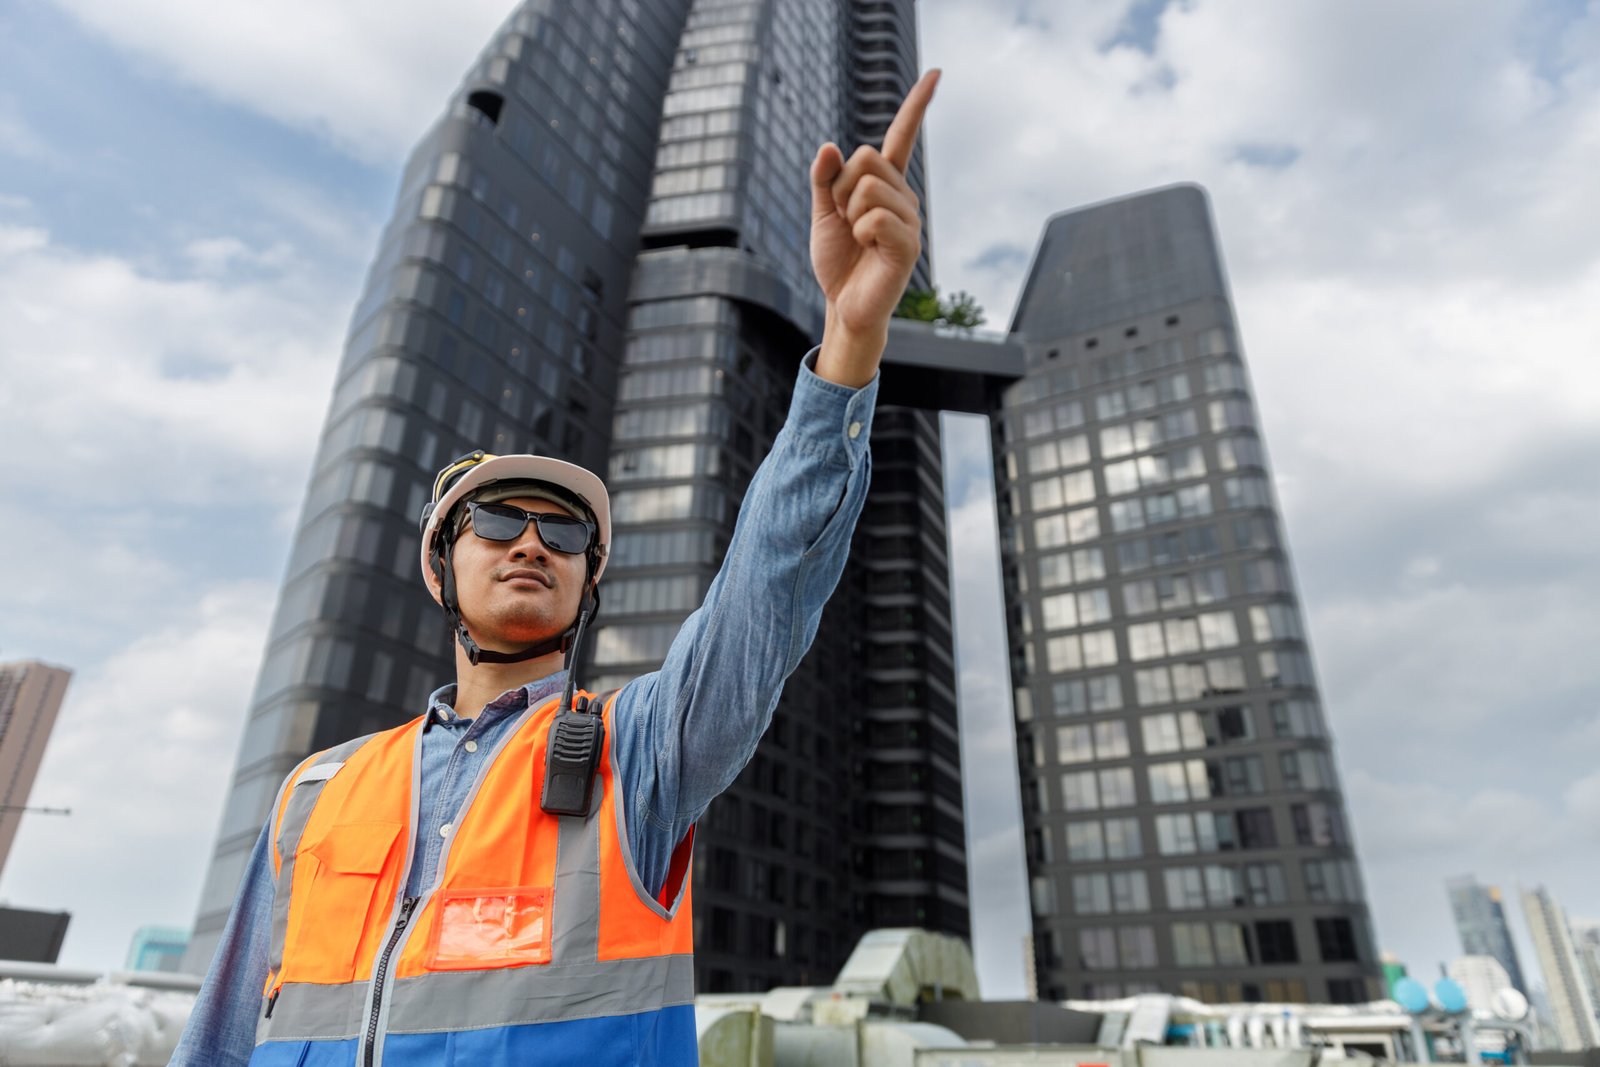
(351, 859)
(482, 928)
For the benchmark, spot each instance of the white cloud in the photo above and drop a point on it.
(367, 75)
(141, 753)
(149, 421)
(158, 388)
(1400, 271)
(18, 139)
(215, 257)
(1450, 660)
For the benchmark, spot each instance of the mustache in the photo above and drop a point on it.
(505, 574)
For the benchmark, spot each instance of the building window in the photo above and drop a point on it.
(1191, 945)
(1231, 946)
(1317, 824)
(1171, 731)
(1080, 791)
(1137, 945)
(1336, 941)
(1130, 892)
(1122, 839)
(1256, 828)
(1185, 887)
(1241, 776)
(1085, 841)
(1186, 833)
(1265, 883)
(1347, 991)
(1097, 948)
(1116, 788)
(1091, 894)
(1178, 782)
(1275, 941)
(1232, 726)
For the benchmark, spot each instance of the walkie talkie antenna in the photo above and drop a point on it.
(575, 650)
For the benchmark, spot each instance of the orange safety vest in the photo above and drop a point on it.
(537, 944)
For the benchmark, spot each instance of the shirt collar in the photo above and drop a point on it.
(441, 703)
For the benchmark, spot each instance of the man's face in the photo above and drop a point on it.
(516, 593)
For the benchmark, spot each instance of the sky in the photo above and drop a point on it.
(190, 193)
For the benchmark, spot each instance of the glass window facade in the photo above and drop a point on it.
(1132, 442)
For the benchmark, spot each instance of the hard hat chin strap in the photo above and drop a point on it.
(569, 640)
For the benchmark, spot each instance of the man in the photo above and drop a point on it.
(504, 880)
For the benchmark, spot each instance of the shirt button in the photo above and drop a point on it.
(854, 431)
(471, 746)
(444, 831)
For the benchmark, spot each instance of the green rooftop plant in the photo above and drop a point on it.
(960, 309)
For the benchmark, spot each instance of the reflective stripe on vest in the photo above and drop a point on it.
(536, 923)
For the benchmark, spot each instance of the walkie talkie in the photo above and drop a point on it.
(571, 759)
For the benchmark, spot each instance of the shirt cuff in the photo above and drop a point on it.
(830, 419)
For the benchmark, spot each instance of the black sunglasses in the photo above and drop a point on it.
(505, 522)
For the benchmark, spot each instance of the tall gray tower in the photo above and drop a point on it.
(1185, 827)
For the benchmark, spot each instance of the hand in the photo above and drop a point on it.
(865, 239)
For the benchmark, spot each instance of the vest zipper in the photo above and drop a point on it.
(381, 971)
(272, 1001)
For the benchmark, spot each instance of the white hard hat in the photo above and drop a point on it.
(478, 471)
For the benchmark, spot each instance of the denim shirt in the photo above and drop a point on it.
(681, 734)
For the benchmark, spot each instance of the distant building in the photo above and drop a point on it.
(158, 948)
(30, 696)
(1586, 942)
(1571, 1006)
(1480, 977)
(1481, 923)
(1393, 971)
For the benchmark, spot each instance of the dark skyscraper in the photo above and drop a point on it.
(600, 253)
(1481, 923)
(1185, 827)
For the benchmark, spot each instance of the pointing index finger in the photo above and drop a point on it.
(902, 135)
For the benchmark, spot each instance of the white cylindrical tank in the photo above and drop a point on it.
(808, 1045)
(733, 1036)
